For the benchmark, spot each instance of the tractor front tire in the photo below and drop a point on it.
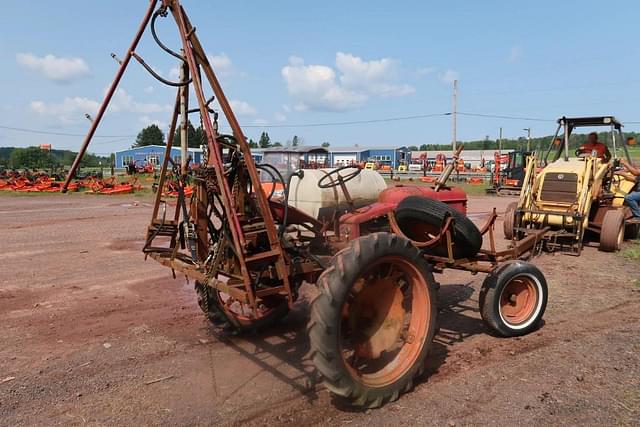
(513, 299)
(612, 231)
(373, 323)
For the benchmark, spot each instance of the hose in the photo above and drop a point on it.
(162, 11)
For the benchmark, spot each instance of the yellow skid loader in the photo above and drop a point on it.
(569, 196)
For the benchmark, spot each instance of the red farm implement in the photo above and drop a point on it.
(373, 322)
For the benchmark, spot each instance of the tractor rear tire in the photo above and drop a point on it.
(370, 332)
(513, 299)
(509, 220)
(612, 231)
(419, 218)
(212, 307)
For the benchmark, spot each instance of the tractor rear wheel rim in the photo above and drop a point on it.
(243, 312)
(518, 300)
(385, 320)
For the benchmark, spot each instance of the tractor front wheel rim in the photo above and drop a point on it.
(519, 301)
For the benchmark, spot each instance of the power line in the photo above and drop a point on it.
(354, 122)
(497, 116)
(42, 132)
(119, 138)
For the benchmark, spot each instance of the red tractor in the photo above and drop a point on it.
(374, 319)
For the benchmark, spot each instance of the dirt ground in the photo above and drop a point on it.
(94, 335)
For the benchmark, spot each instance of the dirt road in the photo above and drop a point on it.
(93, 335)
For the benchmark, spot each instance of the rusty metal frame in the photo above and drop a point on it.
(486, 260)
(196, 63)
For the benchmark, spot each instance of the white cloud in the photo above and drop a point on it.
(515, 54)
(424, 71)
(296, 60)
(260, 122)
(60, 70)
(280, 117)
(449, 76)
(371, 76)
(320, 87)
(124, 102)
(73, 109)
(221, 64)
(242, 108)
(147, 121)
(149, 90)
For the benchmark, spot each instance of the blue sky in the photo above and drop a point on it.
(286, 63)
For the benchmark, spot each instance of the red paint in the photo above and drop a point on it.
(388, 200)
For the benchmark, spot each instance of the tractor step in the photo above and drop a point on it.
(262, 256)
(164, 229)
(179, 264)
(253, 229)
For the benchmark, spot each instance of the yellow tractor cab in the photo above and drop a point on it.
(371, 165)
(575, 191)
(402, 167)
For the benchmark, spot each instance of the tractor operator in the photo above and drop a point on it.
(632, 199)
(592, 144)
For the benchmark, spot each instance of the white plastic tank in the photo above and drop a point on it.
(305, 194)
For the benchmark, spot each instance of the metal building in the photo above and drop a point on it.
(153, 154)
(383, 156)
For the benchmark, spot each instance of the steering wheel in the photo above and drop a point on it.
(340, 178)
(583, 152)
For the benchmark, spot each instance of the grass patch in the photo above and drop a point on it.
(470, 189)
(632, 252)
(144, 193)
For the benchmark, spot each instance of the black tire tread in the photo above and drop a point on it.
(491, 289)
(333, 285)
(218, 317)
(509, 220)
(467, 237)
(611, 223)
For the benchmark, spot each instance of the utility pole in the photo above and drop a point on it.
(528, 138)
(455, 114)
(500, 142)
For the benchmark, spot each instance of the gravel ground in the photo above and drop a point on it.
(94, 335)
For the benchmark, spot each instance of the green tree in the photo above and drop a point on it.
(295, 141)
(412, 148)
(195, 136)
(277, 144)
(326, 144)
(32, 158)
(199, 138)
(486, 144)
(252, 143)
(423, 147)
(265, 141)
(151, 135)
